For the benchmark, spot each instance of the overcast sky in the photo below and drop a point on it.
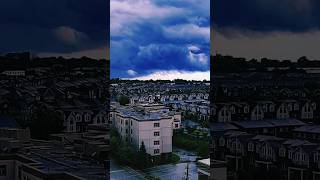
(281, 29)
(55, 27)
(160, 39)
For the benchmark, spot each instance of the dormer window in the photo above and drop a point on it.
(78, 117)
(307, 111)
(257, 113)
(283, 112)
(87, 117)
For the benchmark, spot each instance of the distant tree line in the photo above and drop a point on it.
(176, 81)
(21, 61)
(221, 63)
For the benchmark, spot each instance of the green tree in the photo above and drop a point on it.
(142, 156)
(45, 122)
(205, 123)
(123, 100)
(125, 154)
(114, 143)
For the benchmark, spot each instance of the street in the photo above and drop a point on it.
(165, 172)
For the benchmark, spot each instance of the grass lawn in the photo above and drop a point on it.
(175, 158)
(183, 141)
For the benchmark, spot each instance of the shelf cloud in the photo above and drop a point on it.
(156, 35)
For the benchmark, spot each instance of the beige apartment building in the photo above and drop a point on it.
(152, 124)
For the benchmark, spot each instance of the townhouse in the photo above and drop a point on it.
(293, 158)
(304, 110)
(22, 158)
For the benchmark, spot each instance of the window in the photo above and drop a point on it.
(131, 131)
(265, 130)
(87, 117)
(156, 142)
(250, 147)
(316, 157)
(78, 117)
(156, 133)
(176, 125)
(156, 124)
(126, 122)
(258, 146)
(156, 151)
(290, 154)
(271, 108)
(3, 170)
(233, 109)
(246, 109)
(303, 157)
(238, 146)
(270, 151)
(131, 123)
(221, 141)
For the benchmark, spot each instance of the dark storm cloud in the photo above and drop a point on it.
(278, 29)
(149, 36)
(53, 26)
(267, 15)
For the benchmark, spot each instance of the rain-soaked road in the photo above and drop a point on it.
(165, 172)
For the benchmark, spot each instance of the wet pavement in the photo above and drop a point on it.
(163, 172)
(122, 172)
(185, 156)
(174, 171)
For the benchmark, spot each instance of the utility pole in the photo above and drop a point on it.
(186, 174)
